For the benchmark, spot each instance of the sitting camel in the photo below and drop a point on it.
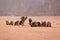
(38, 24)
(9, 23)
(16, 23)
(44, 24)
(48, 24)
(33, 24)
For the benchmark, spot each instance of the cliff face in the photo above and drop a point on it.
(30, 7)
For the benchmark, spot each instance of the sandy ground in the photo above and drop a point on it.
(26, 32)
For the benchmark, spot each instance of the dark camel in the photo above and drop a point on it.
(38, 24)
(23, 20)
(34, 24)
(30, 21)
(44, 24)
(48, 24)
(9, 23)
(16, 23)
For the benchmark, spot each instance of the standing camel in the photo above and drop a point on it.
(23, 19)
(30, 21)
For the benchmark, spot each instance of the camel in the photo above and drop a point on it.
(44, 24)
(23, 20)
(48, 24)
(9, 23)
(33, 24)
(16, 23)
(30, 21)
(39, 24)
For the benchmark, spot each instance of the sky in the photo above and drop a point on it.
(30, 7)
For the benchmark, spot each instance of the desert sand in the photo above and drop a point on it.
(11, 32)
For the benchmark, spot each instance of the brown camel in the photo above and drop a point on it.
(23, 19)
(9, 23)
(44, 24)
(39, 24)
(33, 24)
(48, 24)
(16, 23)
